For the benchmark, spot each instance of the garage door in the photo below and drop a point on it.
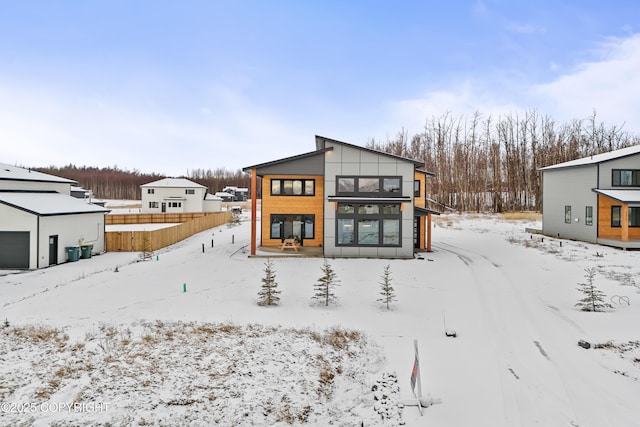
(14, 249)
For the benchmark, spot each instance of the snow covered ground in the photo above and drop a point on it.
(123, 343)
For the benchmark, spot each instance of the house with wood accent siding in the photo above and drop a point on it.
(594, 199)
(348, 200)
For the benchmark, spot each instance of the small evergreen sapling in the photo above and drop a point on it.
(386, 290)
(325, 284)
(594, 298)
(268, 295)
(146, 251)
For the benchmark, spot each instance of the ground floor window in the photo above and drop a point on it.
(297, 227)
(616, 215)
(567, 214)
(153, 204)
(360, 224)
(588, 215)
(634, 216)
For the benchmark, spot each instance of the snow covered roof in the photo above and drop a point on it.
(210, 196)
(173, 183)
(598, 158)
(237, 189)
(48, 204)
(15, 173)
(624, 196)
(223, 195)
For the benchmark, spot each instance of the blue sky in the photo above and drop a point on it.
(171, 86)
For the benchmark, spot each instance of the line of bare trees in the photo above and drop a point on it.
(119, 184)
(491, 163)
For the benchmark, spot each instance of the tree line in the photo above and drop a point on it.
(119, 184)
(480, 163)
(491, 163)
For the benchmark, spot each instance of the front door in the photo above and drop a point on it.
(416, 232)
(164, 207)
(53, 250)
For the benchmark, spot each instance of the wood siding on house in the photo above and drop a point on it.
(419, 201)
(292, 205)
(605, 230)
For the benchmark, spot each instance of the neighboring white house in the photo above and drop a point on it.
(39, 219)
(594, 199)
(177, 195)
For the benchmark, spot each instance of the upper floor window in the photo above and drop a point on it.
(151, 190)
(625, 178)
(416, 188)
(293, 187)
(189, 191)
(369, 185)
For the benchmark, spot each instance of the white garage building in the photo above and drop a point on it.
(39, 219)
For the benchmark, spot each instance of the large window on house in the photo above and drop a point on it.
(297, 227)
(567, 214)
(379, 186)
(634, 216)
(189, 191)
(368, 224)
(588, 215)
(625, 177)
(293, 187)
(153, 205)
(616, 216)
(416, 188)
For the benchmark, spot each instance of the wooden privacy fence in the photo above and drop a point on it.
(139, 241)
(155, 218)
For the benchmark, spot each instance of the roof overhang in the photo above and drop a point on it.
(418, 211)
(344, 199)
(623, 196)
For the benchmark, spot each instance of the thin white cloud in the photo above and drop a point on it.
(609, 85)
(52, 128)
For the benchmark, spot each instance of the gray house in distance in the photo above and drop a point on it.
(594, 199)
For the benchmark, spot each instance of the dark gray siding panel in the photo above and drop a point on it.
(14, 249)
(312, 165)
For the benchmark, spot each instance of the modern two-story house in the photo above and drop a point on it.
(177, 195)
(349, 200)
(594, 199)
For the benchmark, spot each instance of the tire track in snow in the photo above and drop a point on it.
(533, 391)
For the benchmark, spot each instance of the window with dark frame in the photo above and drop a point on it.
(625, 178)
(378, 186)
(151, 190)
(567, 214)
(293, 187)
(368, 224)
(634, 216)
(588, 215)
(305, 222)
(416, 188)
(616, 216)
(190, 191)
